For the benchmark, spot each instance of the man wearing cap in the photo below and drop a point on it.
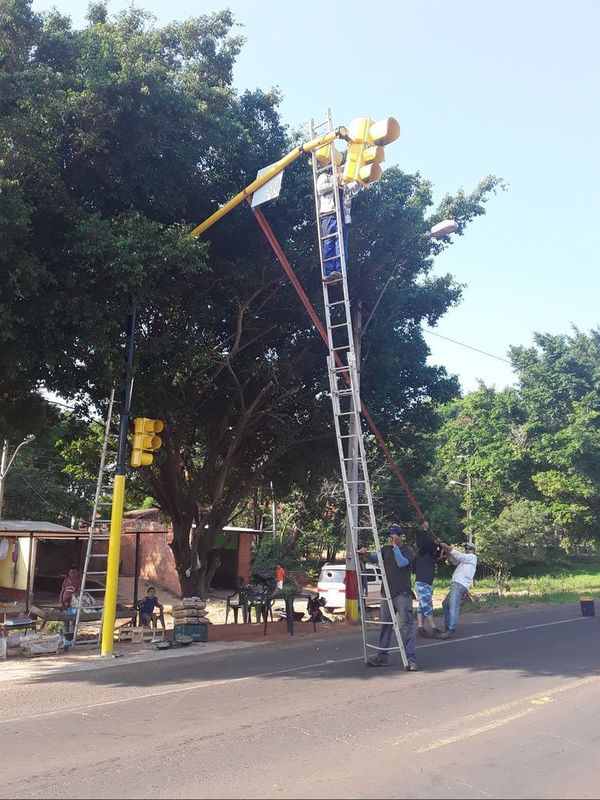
(397, 560)
(462, 580)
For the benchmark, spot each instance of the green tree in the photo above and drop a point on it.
(522, 533)
(483, 442)
(560, 392)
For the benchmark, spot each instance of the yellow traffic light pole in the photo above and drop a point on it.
(116, 516)
(275, 169)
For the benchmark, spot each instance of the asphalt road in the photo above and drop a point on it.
(508, 709)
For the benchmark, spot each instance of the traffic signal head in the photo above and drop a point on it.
(365, 148)
(328, 153)
(145, 441)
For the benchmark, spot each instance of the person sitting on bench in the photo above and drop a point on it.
(147, 606)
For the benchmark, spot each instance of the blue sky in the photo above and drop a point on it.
(508, 88)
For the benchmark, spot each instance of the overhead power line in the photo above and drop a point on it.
(468, 346)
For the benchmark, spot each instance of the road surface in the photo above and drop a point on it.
(509, 709)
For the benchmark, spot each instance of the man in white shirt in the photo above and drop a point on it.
(462, 580)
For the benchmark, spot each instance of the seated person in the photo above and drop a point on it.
(147, 606)
(70, 586)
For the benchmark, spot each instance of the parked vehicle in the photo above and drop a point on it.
(332, 587)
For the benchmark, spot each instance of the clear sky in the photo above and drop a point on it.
(505, 87)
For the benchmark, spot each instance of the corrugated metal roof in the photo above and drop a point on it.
(16, 526)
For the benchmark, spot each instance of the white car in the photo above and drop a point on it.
(331, 585)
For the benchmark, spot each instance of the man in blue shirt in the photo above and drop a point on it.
(147, 606)
(397, 562)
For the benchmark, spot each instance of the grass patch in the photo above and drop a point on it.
(563, 583)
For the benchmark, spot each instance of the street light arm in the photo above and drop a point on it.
(27, 440)
(443, 228)
(381, 293)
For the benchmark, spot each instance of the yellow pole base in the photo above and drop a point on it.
(112, 570)
(352, 611)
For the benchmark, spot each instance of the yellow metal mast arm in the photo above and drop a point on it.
(275, 169)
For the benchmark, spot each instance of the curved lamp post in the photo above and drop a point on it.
(4, 466)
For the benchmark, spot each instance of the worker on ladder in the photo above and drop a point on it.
(397, 560)
(332, 259)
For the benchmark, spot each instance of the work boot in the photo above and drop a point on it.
(377, 661)
(333, 277)
(446, 634)
(424, 634)
(412, 666)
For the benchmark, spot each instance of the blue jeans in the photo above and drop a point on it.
(404, 607)
(451, 605)
(331, 250)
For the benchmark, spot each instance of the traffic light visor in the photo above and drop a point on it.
(329, 153)
(384, 131)
(145, 425)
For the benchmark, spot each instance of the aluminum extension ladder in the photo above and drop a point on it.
(96, 555)
(345, 396)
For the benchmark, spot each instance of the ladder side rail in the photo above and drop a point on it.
(367, 491)
(92, 527)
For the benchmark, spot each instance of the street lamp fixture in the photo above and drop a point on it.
(443, 228)
(5, 465)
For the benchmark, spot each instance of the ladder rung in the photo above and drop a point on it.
(342, 347)
(339, 325)
(336, 303)
(101, 589)
(103, 572)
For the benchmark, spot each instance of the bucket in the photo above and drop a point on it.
(587, 607)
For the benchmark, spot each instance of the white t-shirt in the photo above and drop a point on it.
(466, 566)
(325, 192)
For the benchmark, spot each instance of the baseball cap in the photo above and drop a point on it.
(469, 546)
(397, 529)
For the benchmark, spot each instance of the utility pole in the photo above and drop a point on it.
(5, 465)
(116, 517)
(469, 509)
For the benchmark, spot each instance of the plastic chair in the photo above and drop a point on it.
(237, 600)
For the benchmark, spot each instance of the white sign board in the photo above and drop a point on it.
(270, 190)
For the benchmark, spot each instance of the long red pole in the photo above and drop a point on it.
(287, 267)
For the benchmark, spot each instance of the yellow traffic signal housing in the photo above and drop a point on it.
(365, 148)
(145, 441)
(328, 153)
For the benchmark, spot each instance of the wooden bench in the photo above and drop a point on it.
(136, 634)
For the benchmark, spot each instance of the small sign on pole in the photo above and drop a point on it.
(271, 189)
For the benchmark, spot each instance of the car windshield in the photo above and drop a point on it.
(332, 575)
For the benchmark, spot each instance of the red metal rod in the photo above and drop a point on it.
(287, 267)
